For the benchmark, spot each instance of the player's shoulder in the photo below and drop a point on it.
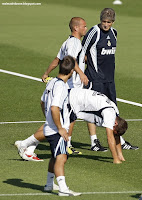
(114, 31)
(72, 40)
(94, 29)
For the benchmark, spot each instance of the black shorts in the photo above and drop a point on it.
(107, 88)
(57, 145)
(72, 114)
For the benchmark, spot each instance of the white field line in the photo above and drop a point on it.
(30, 122)
(21, 75)
(47, 194)
(38, 79)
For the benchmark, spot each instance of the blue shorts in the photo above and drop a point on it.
(57, 144)
(107, 88)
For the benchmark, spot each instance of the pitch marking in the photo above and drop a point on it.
(47, 194)
(30, 122)
(40, 80)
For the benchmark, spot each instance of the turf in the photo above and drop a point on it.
(30, 38)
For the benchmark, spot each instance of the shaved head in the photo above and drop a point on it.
(75, 21)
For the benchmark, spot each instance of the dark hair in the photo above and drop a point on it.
(66, 65)
(122, 126)
(75, 21)
(107, 13)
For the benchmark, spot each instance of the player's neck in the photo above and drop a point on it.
(77, 35)
(63, 77)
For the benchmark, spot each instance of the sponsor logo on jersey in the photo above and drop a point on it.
(108, 51)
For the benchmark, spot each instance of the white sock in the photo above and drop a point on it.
(93, 137)
(50, 179)
(29, 141)
(30, 150)
(62, 184)
(122, 141)
(69, 142)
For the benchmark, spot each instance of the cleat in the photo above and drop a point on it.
(32, 157)
(21, 150)
(68, 193)
(98, 147)
(50, 188)
(71, 150)
(128, 146)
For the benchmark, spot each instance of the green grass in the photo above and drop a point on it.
(30, 38)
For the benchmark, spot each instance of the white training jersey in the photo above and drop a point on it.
(55, 94)
(93, 107)
(72, 46)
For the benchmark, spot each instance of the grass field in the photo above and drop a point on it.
(30, 38)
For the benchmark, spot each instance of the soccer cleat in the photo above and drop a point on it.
(98, 146)
(50, 188)
(71, 150)
(128, 146)
(32, 157)
(21, 150)
(68, 193)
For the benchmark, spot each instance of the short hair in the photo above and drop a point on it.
(66, 65)
(107, 13)
(75, 21)
(122, 126)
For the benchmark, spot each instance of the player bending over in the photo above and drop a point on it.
(90, 106)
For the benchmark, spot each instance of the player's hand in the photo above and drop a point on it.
(84, 79)
(44, 77)
(64, 134)
(117, 161)
(121, 157)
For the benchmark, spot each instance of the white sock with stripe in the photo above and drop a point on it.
(122, 141)
(62, 184)
(93, 137)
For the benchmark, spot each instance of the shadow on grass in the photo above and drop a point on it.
(21, 184)
(136, 196)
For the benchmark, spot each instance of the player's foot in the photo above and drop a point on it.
(72, 150)
(21, 150)
(32, 157)
(128, 146)
(50, 188)
(98, 146)
(68, 193)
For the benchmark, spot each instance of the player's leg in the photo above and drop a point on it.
(95, 143)
(70, 148)
(27, 147)
(58, 150)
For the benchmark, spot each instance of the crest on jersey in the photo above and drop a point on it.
(108, 43)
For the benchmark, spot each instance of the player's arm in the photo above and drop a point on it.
(118, 148)
(52, 66)
(112, 146)
(55, 111)
(83, 77)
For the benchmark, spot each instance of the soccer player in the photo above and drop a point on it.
(99, 45)
(57, 125)
(72, 46)
(93, 107)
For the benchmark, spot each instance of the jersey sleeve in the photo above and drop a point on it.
(71, 47)
(60, 94)
(109, 116)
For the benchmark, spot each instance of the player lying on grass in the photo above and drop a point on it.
(90, 106)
